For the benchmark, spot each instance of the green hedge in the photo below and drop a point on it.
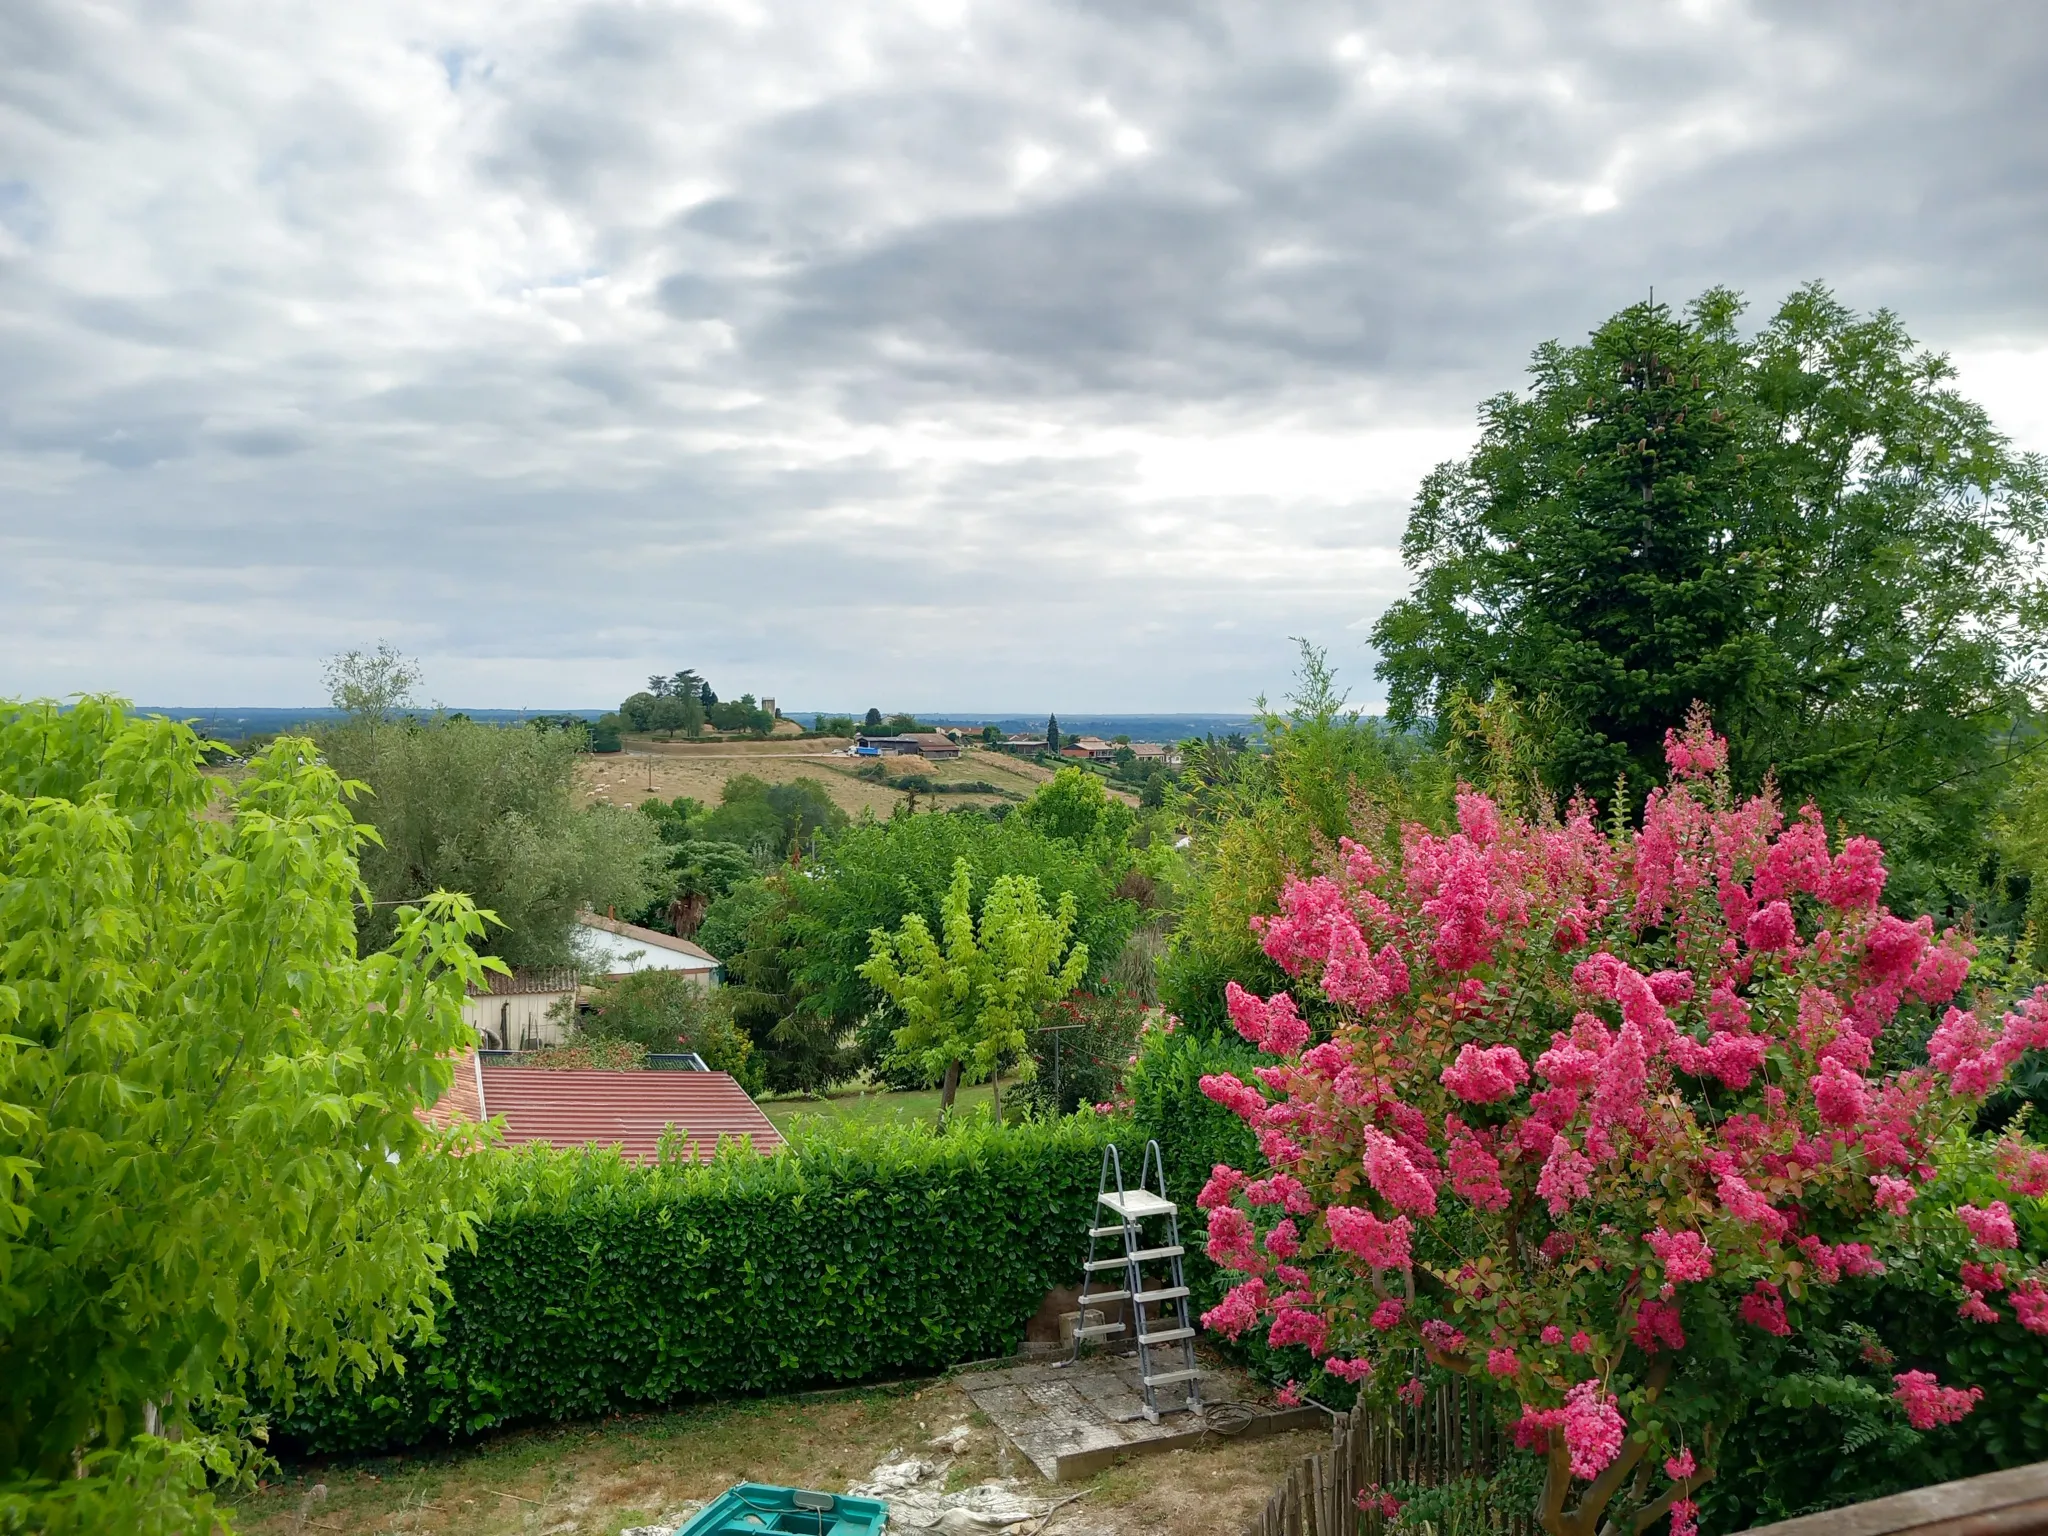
(852, 1255)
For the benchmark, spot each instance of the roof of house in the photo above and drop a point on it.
(933, 739)
(521, 983)
(1089, 743)
(623, 947)
(627, 1109)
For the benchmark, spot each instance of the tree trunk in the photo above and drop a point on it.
(997, 1086)
(950, 1087)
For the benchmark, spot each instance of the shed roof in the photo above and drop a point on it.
(629, 1109)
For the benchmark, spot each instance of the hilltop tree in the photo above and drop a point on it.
(213, 1183)
(372, 685)
(873, 719)
(1809, 530)
(968, 994)
(1052, 733)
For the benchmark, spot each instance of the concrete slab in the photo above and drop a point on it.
(1071, 1421)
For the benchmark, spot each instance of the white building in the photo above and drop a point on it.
(529, 1009)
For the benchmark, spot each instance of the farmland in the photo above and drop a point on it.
(700, 771)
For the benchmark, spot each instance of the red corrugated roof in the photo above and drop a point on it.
(568, 1109)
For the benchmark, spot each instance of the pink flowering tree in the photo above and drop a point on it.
(1599, 1111)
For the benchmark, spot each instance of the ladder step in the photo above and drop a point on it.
(1168, 1378)
(1170, 1336)
(1106, 1264)
(1099, 1328)
(1171, 1293)
(1092, 1297)
(1145, 1254)
(1105, 1231)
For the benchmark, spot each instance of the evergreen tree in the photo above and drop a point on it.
(874, 718)
(1052, 733)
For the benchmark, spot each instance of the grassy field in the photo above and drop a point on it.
(596, 1479)
(877, 1106)
(700, 771)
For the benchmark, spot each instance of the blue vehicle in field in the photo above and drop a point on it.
(757, 1509)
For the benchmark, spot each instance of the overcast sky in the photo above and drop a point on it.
(932, 355)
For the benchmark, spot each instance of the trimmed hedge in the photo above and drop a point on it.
(851, 1255)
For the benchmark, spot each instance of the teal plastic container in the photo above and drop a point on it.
(752, 1509)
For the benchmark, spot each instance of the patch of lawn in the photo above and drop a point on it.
(876, 1106)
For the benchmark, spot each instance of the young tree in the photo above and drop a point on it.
(968, 994)
(1809, 530)
(371, 685)
(1603, 1116)
(212, 1178)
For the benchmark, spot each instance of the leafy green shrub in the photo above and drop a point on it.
(1081, 1057)
(589, 1056)
(663, 1011)
(855, 1253)
(1194, 1132)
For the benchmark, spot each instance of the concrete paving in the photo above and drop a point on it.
(1071, 1421)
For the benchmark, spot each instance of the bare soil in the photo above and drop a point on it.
(653, 1468)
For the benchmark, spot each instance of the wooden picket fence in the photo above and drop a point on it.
(1450, 1434)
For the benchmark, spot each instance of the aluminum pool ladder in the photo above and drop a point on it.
(1166, 1342)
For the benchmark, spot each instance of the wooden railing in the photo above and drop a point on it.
(1450, 1434)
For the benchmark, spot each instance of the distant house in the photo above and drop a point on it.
(1094, 748)
(1022, 746)
(1153, 752)
(530, 1009)
(614, 949)
(928, 744)
(629, 1110)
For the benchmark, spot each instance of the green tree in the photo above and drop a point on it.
(1052, 733)
(1075, 806)
(1809, 530)
(372, 685)
(492, 812)
(212, 1179)
(967, 996)
(676, 712)
(872, 720)
(667, 1011)
(800, 1049)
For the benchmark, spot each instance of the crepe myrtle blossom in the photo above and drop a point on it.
(1583, 1090)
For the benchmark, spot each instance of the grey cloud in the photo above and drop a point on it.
(846, 349)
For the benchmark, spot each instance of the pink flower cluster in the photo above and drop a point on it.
(1458, 1169)
(1686, 1255)
(1928, 1403)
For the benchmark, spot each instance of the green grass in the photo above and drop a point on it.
(875, 1106)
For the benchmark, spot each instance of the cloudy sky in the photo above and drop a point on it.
(924, 353)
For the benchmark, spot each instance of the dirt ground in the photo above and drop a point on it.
(701, 771)
(598, 1479)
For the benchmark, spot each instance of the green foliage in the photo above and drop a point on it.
(742, 715)
(1080, 1058)
(1810, 531)
(211, 1177)
(858, 1252)
(1827, 1433)
(372, 685)
(588, 1056)
(662, 1011)
(1256, 816)
(490, 811)
(749, 929)
(967, 995)
(877, 873)
(1076, 808)
(604, 736)
(768, 820)
(1164, 1090)
(834, 725)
